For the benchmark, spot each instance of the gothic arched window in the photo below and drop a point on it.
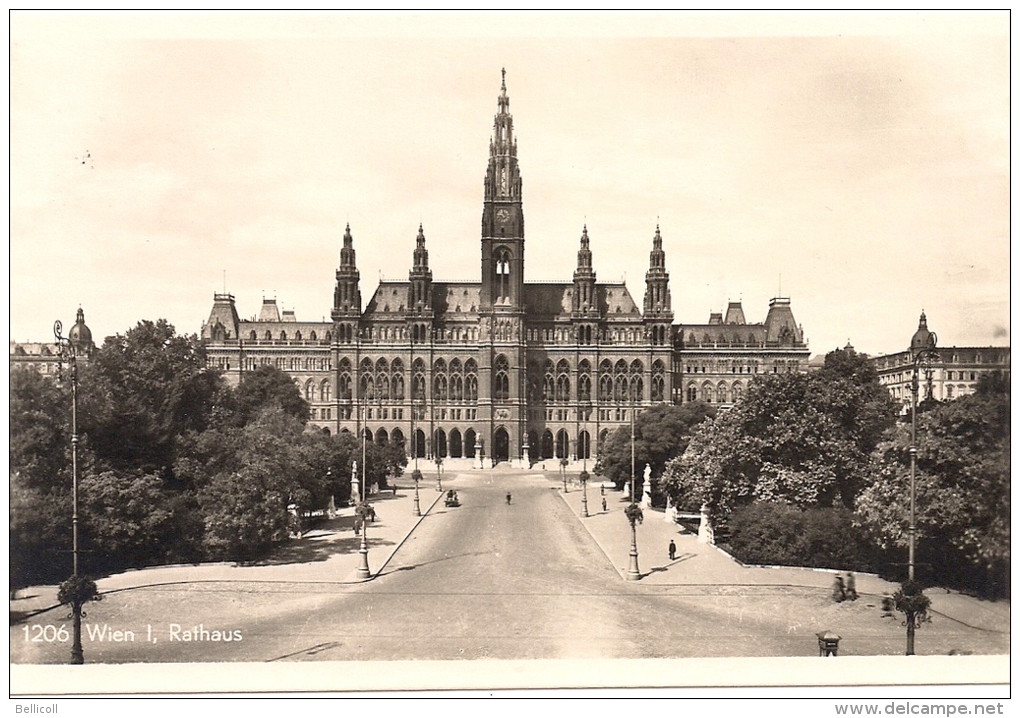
(501, 380)
(584, 388)
(503, 276)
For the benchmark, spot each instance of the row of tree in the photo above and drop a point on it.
(175, 465)
(814, 469)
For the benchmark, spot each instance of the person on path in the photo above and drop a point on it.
(603, 504)
(602, 489)
(507, 498)
(851, 586)
(672, 550)
(838, 590)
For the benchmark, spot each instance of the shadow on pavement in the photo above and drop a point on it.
(318, 546)
(679, 559)
(437, 560)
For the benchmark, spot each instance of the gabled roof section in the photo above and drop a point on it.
(615, 301)
(389, 301)
(551, 300)
(450, 300)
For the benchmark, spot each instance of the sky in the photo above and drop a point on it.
(857, 163)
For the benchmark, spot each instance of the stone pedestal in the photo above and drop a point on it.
(355, 486)
(706, 534)
(646, 498)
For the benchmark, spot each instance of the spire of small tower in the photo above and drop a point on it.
(584, 279)
(347, 251)
(421, 255)
(657, 258)
(347, 295)
(657, 298)
(419, 298)
(584, 254)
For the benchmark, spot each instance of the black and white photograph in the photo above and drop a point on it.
(299, 404)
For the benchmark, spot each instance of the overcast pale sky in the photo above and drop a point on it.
(856, 162)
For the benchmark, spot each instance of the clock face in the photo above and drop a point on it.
(503, 215)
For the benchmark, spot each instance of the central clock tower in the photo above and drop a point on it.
(502, 218)
(501, 358)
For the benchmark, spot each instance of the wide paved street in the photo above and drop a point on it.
(482, 580)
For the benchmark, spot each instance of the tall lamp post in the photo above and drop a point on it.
(77, 344)
(416, 474)
(584, 459)
(922, 351)
(363, 509)
(633, 511)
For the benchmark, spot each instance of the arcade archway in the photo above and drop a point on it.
(501, 445)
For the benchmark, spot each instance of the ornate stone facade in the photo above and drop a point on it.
(500, 369)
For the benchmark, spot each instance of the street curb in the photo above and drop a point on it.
(619, 571)
(403, 540)
(234, 580)
(816, 569)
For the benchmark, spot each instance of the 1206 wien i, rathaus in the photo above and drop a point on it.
(501, 369)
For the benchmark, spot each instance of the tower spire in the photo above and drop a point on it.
(584, 279)
(347, 295)
(419, 300)
(502, 216)
(657, 299)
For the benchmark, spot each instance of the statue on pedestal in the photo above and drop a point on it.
(355, 486)
(646, 498)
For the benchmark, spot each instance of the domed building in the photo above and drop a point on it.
(44, 357)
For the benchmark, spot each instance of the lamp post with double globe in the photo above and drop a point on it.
(922, 352)
(78, 589)
(633, 511)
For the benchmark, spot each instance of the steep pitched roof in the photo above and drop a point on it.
(549, 300)
(450, 300)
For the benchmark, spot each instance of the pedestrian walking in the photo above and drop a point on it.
(602, 489)
(838, 590)
(507, 498)
(851, 586)
(672, 550)
(604, 505)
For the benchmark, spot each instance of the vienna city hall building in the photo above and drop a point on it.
(501, 370)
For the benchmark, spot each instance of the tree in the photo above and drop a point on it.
(126, 521)
(267, 387)
(962, 491)
(661, 433)
(140, 392)
(40, 533)
(800, 439)
(40, 430)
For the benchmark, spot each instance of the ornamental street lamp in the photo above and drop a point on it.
(633, 511)
(363, 512)
(415, 474)
(584, 497)
(363, 509)
(922, 351)
(77, 344)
